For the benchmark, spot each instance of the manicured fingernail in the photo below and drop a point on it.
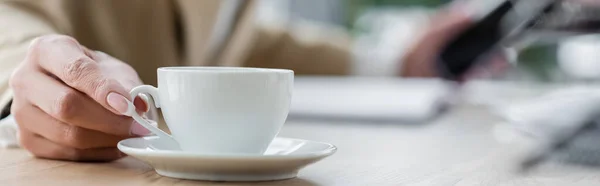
(117, 102)
(138, 129)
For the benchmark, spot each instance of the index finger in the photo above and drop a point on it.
(66, 59)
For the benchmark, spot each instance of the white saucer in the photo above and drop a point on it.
(283, 159)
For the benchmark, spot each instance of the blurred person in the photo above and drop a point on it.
(66, 66)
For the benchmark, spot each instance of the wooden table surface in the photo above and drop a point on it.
(457, 148)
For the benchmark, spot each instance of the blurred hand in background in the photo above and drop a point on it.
(444, 26)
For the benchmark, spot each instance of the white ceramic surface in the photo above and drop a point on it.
(282, 160)
(221, 109)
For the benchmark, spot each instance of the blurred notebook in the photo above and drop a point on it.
(368, 98)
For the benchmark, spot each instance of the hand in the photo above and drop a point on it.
(420, 60)
(68, 101)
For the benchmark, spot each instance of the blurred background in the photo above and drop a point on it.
(381, 30)
(384, 30)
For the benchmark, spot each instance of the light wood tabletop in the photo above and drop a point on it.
(457, 148)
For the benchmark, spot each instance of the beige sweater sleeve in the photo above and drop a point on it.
(18, 26)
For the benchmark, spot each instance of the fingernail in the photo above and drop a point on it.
(117, 102)
(138, 129)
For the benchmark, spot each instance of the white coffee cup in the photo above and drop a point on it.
(220, 110)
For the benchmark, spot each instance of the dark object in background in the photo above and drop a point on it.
(464, 52)
(507, 24)
(513, 22)
(6, 110)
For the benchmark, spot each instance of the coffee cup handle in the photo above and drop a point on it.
(146, 123)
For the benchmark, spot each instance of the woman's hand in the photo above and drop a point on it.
(68, 101)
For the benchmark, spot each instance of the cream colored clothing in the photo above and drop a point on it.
(148, 34)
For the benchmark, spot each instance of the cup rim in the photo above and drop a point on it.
(205, 69)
